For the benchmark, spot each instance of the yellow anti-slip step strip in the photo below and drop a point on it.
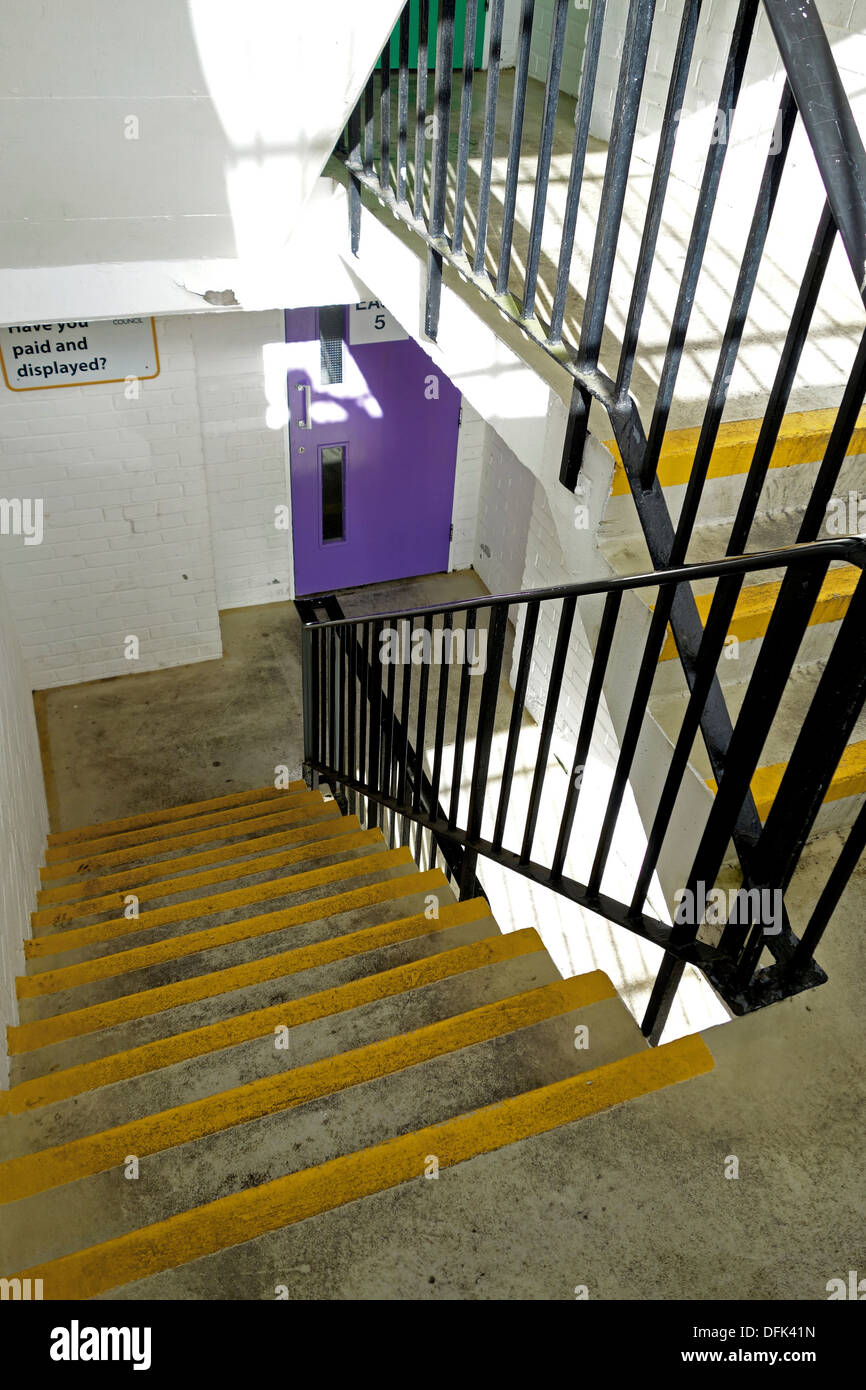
(183, 1124)
(191, 909)
(171, 813)
(126, 839)
(345, 834)
(28, 1037)
(802, 439)
(229, 1032)
(246, 1215)
(312, 811)
(77, 897)
(849, 779)
(191, 943)
(751, 616)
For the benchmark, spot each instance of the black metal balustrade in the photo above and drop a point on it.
(432, 201)
(411, 743)
(812, 92)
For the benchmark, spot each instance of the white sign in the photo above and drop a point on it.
(36, 356)
(369, 322)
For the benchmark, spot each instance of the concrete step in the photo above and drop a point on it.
(145, 880)
(78, 956)
(137, 1259)
(164, 830)
(171, 813)
(802, 440)
(205, 884)
(789, 483)
(754, 609)
(218, 948)
(224, 1055)
(55, 1045)
(156, 853)
(848, 785)
(58, 1199)
(709, 541)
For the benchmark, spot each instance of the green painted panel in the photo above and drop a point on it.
(459, 32)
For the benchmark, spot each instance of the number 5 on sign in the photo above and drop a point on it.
(370, 322)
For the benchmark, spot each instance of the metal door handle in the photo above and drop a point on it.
(306, 423)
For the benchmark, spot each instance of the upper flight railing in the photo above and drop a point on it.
(414, 156)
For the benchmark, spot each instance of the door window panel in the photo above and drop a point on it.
(333, 472)
(331, 327)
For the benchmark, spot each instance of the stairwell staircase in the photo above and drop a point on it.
(297, 1018)
(779, 514)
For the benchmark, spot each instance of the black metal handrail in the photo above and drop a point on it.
(812, 90)
(358, 719)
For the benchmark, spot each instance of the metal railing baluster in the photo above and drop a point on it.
(512, 175)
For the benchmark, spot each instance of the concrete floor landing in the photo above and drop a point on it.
(118, 747)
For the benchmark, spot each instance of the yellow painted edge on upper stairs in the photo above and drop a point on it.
(802, 438)
(754, 608)
(79, 895)
(849, 779)
(166, 829)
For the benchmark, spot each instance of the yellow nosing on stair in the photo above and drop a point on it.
(73, 938)
(78, 895)
(168, 829)
(190, 943)
(26, 1037)
(751, 616)
(803, 438)
(353, 837)
(229, 1032)
(246, 1215)
(849, 779)
(312, 812)
(171, 813)
(183, 1124)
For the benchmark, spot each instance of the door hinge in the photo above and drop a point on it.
(460, 416)
(451, 532)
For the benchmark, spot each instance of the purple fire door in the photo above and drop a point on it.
(373, 442)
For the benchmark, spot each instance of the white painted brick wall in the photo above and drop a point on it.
(844, 21)
(467, 486)
(158, 511)
(504, 509)
(245, 453)
(575, 39)
(516, 526)
(23, 818)
(126, 548)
